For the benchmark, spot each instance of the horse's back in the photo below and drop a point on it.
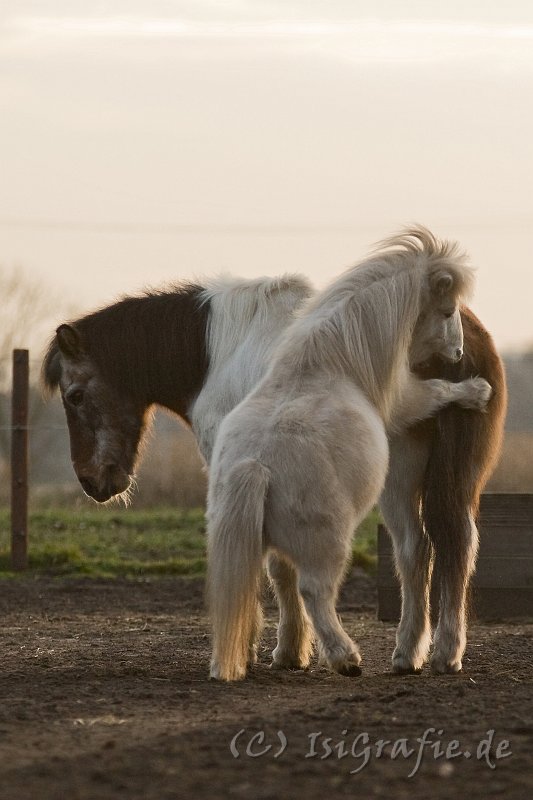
(246, 321)
(325, 448)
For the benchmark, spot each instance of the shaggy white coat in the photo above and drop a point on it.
(304, 457)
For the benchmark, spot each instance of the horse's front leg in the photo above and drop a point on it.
(419, 399)
(399, 505)
(453, 572)
(295, 635)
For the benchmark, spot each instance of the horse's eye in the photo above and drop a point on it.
(448, 314)
(75, 398)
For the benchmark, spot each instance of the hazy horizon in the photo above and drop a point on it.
(146, 143)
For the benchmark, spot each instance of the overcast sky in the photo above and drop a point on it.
(148, 141)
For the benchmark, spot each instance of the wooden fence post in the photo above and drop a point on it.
(19, 460)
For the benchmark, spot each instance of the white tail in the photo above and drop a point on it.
(235, 566)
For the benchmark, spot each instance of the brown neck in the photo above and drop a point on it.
(152, 348)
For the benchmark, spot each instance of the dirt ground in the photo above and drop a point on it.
(104, 695)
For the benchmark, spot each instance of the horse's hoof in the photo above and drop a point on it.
(440, 666)
(398, 670)
(349, 670)
(288, 667)
(288, 661)
(233, 673)
(288, 664)
(404, 666)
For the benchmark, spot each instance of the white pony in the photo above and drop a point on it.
(300, 462)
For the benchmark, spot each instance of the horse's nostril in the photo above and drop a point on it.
(87, 485)
(459, 354)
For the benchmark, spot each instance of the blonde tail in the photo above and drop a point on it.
(235, 560)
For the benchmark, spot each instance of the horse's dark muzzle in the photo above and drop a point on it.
(91, 489)
(88, 486)
(115, 482)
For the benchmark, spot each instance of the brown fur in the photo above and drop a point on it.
(150, 348)
(464, 448)
(112, 366)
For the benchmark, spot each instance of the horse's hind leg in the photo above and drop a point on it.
(255, 635)
(454, 576)
(400, 506)
(295, 635)
(318, 584)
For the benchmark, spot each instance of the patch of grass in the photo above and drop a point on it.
(365, 544)
(110, 543)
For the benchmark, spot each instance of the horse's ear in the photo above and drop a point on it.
(441, 283)
(69, 342)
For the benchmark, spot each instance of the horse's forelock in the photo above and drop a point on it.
(461, 274)
(440, 254)
(464, 281)
(51, 369)
(417, 239)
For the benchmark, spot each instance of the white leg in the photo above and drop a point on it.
(295, 635)
(340, 652)
(319, 583)
(422, 399)
(257, 627)
(450, 635)
(399, 504)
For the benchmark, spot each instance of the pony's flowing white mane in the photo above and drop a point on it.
(236, 303)
(362, 324)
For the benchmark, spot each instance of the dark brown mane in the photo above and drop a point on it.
(151, 348)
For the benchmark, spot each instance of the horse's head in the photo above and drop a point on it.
(105, 428)
(438, 330)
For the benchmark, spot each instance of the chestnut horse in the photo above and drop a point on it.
(198, 350)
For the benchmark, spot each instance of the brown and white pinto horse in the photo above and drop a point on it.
(438, 470)
(198, 351)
